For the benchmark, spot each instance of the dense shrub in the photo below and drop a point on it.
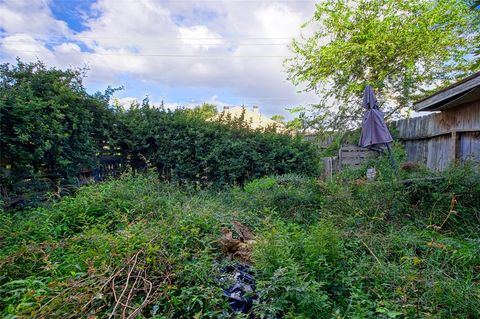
(52, 130)
(291, 197)
(187, 148)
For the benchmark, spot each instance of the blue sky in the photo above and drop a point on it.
(183, 52)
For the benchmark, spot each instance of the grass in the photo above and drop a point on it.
(344, 249)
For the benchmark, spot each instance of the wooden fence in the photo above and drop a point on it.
(348, 156)
(441, 138)
(354, 156)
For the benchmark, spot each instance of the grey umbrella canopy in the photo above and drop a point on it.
(374, 130)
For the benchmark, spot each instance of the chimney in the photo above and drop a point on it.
(256, 109)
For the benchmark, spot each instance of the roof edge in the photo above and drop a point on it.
(429, 103)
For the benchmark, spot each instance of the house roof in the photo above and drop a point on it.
(461, 92)
(254, 118)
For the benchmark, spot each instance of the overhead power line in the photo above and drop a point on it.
(8, 41)
(153, 38)
(166, 55)
(214, 1)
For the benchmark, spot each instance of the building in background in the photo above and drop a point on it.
(252, 117)
(451, 133)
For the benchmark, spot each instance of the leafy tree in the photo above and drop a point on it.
(204, 111)
(278, 118)
(401, 48)
(50, 126)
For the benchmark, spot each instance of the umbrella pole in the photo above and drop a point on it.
(394, 165)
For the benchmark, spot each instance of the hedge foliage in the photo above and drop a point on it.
(52, 129)
(186, 148)
(50, 126)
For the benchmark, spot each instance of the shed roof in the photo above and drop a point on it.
(461, 92)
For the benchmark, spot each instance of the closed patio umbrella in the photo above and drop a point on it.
(374, 130)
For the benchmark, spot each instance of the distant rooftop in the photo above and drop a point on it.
(461, 92)
(252, 116)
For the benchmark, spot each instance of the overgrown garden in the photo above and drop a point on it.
(158, 237)
(139, 247)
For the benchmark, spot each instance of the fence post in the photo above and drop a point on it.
(328, 168)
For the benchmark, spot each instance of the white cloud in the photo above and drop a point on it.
(199, 36)
(67, 48)
(30, 16)
(211, 45)
(26, 47)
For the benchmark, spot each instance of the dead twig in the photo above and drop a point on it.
(371, 252)
(132, 267)
(130, 296)
(451, 212)
(136, 311)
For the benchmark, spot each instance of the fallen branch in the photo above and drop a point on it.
(126, 284)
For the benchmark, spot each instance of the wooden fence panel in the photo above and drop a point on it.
(351, 155)
(469, 147)
(438, 152)
(417, 150)
(440, 138)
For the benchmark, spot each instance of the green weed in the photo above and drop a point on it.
(342, 249)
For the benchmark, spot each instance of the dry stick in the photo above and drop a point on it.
(126, 285)
(115, 295)
(113, 290)
(130, 295)
(107, 282)
(371, 252)
(452, 211)
(148, 293)
(52, 299)
(61, 294)
(133, 314)
(115, 275)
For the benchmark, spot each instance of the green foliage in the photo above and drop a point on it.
(323, 244)
(185, 148)
(52, 131)
(50, 127)
(205, 111)
(72, 247)
(259, 184)
(290, 196)
(289, 294)
(294, 266)
(398, 47)
(354, 249)
(278, 118)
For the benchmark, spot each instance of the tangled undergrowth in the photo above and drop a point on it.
(139, 248)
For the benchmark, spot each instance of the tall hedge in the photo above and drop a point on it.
(187, 148)
(52, 129)
(50, 126)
